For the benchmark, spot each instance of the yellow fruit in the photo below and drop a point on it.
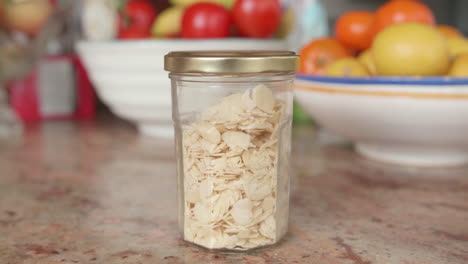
(286, 25)
(460, 66)
(410, 49)
(347, 67)
(226, 3)
(449, 31)
(457, 46)
(169, 22)
(26, 16)
(184, 3)
(365, 58)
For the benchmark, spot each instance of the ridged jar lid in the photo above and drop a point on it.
(231, 61)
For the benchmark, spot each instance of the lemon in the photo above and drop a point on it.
(365, 58)
(449, 31)
(460, 66)
(169, 22)
(286, 24)
(457, 46)
(184, 3)
(410, 49)
(347, 67)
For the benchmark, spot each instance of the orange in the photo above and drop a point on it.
(449, 31)
(402, 11)
(354, 29)
(318, 54)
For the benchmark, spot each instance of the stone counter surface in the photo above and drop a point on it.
(99, 193)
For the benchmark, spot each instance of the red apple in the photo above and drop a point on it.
(26, 16)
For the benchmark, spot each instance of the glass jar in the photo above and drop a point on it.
(232, 113)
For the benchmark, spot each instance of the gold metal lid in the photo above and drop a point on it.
(231, 61)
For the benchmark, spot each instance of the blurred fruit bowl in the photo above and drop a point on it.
(129, 76)
(401, 120)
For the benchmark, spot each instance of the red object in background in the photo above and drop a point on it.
(257, 18)
(134, 34)
(58, 89)
(206, 20)
(136, 19)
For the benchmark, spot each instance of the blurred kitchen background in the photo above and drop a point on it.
(46, 75)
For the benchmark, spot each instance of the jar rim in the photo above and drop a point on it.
(253, 61)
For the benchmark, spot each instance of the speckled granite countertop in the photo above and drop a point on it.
(100, 194)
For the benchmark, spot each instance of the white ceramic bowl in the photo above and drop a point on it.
(129, 75)
(407, 121)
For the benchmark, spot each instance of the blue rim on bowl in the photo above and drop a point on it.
(425, 81)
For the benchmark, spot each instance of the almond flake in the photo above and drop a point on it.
(235, 139)
(242, 212)
(263, 98)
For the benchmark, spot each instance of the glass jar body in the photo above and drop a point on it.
(233, 143)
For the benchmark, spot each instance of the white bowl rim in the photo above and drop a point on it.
(328, 85)
(381, 81)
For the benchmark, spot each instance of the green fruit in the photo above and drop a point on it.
(226, 3)
(169, 22)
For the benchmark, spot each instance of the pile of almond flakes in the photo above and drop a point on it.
(230, 172)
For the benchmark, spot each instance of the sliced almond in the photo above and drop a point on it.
(247, 103)
(209, 132)
(192, 195)
(268, 204)
(257, 192)
(242, 212)
(268, 227)
(201, 213)
(263, 98)
(206, 188)
(235, 139)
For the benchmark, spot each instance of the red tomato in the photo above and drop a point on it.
(206, 20)
(257, 18)
(355, 29)
(136, 18)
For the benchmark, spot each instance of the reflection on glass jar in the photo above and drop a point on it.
(232, 113)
